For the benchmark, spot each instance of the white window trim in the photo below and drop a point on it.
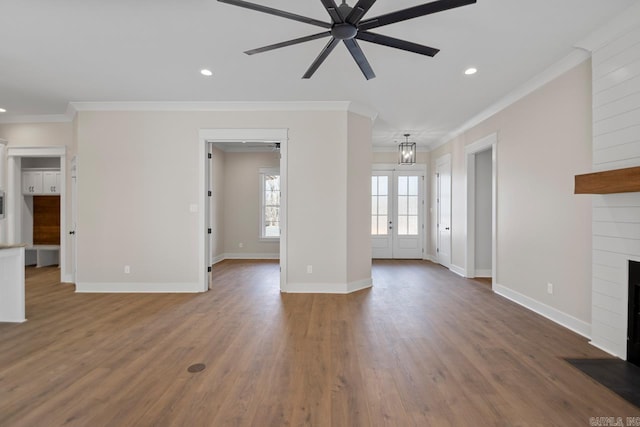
(261, 174)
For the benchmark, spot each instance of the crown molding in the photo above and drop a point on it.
(227, 106)
(35, 118)
(576, 57)
(67, 117)
(598, 38)
(362, 110)
(74, 107)
(71, 112)
(211, 106)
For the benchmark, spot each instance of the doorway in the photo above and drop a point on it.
(481, 165)
(397, 213)
(443, 210)
(238, 137)
(73, 247)
(42, 181)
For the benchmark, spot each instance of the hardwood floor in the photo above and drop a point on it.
(422, 347)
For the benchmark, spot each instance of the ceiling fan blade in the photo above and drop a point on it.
(397, 43)
(277, 12)
(359, 10)
(412, 12)
(288, 43)
(358, 56)
(332, 8)
(320, 59)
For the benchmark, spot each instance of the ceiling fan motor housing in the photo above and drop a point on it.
(344, 31)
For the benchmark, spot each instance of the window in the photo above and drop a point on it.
(270, 204)
(379, 205)
(407, 205)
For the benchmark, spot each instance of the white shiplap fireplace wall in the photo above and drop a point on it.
(616, 144)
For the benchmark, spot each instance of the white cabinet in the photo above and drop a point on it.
(40, 182)
(32, 182)
(51, 182)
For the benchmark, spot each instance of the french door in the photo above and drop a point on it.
(397, 214)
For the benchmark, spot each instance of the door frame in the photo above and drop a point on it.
(14, 191)
(445, 159)
(207, 136)
(416, 167)
(488, 142)
(73, 253)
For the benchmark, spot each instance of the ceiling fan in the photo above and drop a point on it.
(347, 25)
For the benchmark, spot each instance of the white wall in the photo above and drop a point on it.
(543, 230)
(140, 175)
(358, 165)
(616, 144)
(242, 204)
(483, 175)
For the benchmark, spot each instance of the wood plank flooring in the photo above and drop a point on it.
(422, 347)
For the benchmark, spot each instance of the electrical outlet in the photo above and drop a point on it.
(550, 288)
(309, 269)
(127, 269)
(241, 245)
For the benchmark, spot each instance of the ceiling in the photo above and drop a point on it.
(56, 52)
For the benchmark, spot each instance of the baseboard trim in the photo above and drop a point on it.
(328, 288)
(241, 255)
(13, 320)
(608, 350)
(458, 270)
(563, 319)
(67, 279)
(359, 285)
(137, 287)
(483, 273)
(217, 259)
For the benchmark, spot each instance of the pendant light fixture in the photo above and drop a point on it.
(407, 152)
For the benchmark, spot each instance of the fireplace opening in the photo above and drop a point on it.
(633, 324)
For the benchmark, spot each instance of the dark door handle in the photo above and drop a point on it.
(72, 232)
(446, 228)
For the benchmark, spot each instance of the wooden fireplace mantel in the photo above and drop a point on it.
(608, 182)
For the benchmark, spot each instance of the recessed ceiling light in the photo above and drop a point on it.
(206, 72)
(2, 110)
(470, 71)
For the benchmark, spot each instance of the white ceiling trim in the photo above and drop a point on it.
(36, 118)
(576, 57)
(211, 106)
(67, 117)
(74, 107)
(228, 106)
